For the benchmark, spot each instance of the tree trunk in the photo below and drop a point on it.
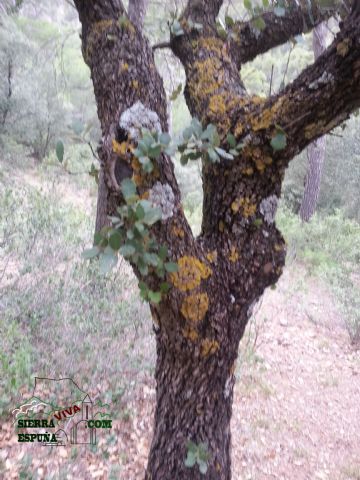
(316, 157)
(316, 151)
(193, 403)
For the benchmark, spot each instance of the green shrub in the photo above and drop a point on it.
(330, 248)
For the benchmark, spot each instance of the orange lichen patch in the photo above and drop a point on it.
(208, 77)
(267, 117)
(120, 148)
(219, 109)
(257, 100)
(268, 160)
(343, 47)
(137, 177)
(257, 156)
(247, 171)
(212, 256)
(178, 231)
(124, 67)
(209, 347)
(217, 104)
(195, 306)
(260, 165)
(214, 45)
(239, 128)
(234, 256)
(190, 333)
(245, 204)
(191, 272)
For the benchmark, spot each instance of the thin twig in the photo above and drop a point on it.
(93, 152)
(282, 86)
(271, 79)
(161, 45)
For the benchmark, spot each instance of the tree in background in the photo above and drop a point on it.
(245, 143)
(316, 151)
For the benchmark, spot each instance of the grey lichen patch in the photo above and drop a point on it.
(138, 117)
(326, 77)
(268, 208)
(162, 196)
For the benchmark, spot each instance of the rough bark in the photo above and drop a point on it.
(137, 11)
(316, 151)
(246, 42)
(240, 252)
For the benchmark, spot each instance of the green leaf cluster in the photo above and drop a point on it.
(197, 143)
(129, 235)
(197, 454)
(151, 146)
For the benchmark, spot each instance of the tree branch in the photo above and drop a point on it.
(321, 98)
(246, 41)
(161, 45)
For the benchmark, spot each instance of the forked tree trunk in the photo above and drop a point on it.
(239, 252)
(316, 151)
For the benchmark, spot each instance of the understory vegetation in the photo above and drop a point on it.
(59, 316)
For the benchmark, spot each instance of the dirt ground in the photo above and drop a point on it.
(296, 411)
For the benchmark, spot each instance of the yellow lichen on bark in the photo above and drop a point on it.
(209, 347)
(214, 45)
(247, 171)
(207, 78)
(121, 149)
(267, 117)
(234, 256)
(137, 169)
(247, 207)
(195, 306)
(178, 231)
(190, 334)
(191, 272)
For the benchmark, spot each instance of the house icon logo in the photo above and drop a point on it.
(60, 413)
(80, 433)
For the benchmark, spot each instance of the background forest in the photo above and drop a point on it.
(58, 316)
